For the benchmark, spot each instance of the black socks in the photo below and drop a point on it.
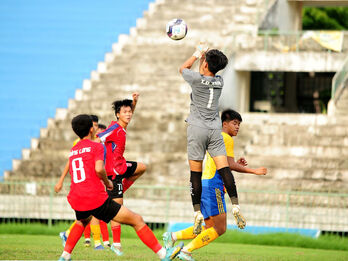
(229, 183)
(196, 189)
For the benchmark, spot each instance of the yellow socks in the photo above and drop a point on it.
(202, 239)
(95, 229)
(185, 234)
(68, 231)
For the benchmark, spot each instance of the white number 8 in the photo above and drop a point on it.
(78, 178)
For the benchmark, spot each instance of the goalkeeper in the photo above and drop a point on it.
(204, 128)
(213, 201)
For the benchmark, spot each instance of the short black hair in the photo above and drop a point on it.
(116, 105)
(216, 60)
(81, 124)
(230, 115)
(94, 118)
(101, 126)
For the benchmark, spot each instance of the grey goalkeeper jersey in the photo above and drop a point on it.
(206, 91)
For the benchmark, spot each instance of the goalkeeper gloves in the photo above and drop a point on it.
(201, 49)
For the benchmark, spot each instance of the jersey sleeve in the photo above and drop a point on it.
(189, 75)
(109, 134)
(229, 144)
(99, 152)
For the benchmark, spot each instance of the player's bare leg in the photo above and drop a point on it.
(141, 168)
(196, 192)
(126, 183)
(126, 216)
(219, 222)
(223, 169)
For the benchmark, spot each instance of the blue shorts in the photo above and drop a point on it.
(213, 198)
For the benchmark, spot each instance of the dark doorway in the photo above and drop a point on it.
(290, 92)
(313, 91)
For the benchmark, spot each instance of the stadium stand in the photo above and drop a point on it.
(134, 69)
(147, 61)
(47, 49)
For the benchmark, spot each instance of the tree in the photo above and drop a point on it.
(325, 18)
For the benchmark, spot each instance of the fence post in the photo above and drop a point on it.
(265, 42)
(287, 209)
(168, 190)
(51, 186)
(297, 41)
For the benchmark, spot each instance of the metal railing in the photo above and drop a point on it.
(288, 209)
(280, 41)
(340, 81)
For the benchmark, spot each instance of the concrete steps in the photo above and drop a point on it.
(301, 151)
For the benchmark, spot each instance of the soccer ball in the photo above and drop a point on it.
(176, 29)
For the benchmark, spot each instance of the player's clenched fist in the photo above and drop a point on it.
(135, 96)
(260, 171)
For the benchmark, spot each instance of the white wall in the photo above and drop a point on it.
(236, 92)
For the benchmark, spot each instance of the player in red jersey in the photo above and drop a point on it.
(88, 197)
(95, 226)
(122, 173)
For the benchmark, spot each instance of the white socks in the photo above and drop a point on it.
(66, 255)
(162, 253)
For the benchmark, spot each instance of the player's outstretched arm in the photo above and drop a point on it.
(135, 96)
(59, 185)
(201, 49)
(100, 170)
(243, 169)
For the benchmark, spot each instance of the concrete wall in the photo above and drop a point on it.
(236, 92)
(288, 62)
(284, 16)
(289, 15)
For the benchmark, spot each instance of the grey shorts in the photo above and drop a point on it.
(200, 140)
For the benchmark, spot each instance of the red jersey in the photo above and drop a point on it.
(114, 138)
(87, 191)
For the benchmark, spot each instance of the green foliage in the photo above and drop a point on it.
(325, 18)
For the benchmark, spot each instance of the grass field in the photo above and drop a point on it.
(42, 243)
(35, 247)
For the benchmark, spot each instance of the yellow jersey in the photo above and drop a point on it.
(210, 168)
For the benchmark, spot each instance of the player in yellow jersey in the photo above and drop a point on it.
(213, 205)
(94, 226)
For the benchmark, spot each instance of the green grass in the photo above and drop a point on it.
(48, 247)
(286, 239)
(280, 239)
